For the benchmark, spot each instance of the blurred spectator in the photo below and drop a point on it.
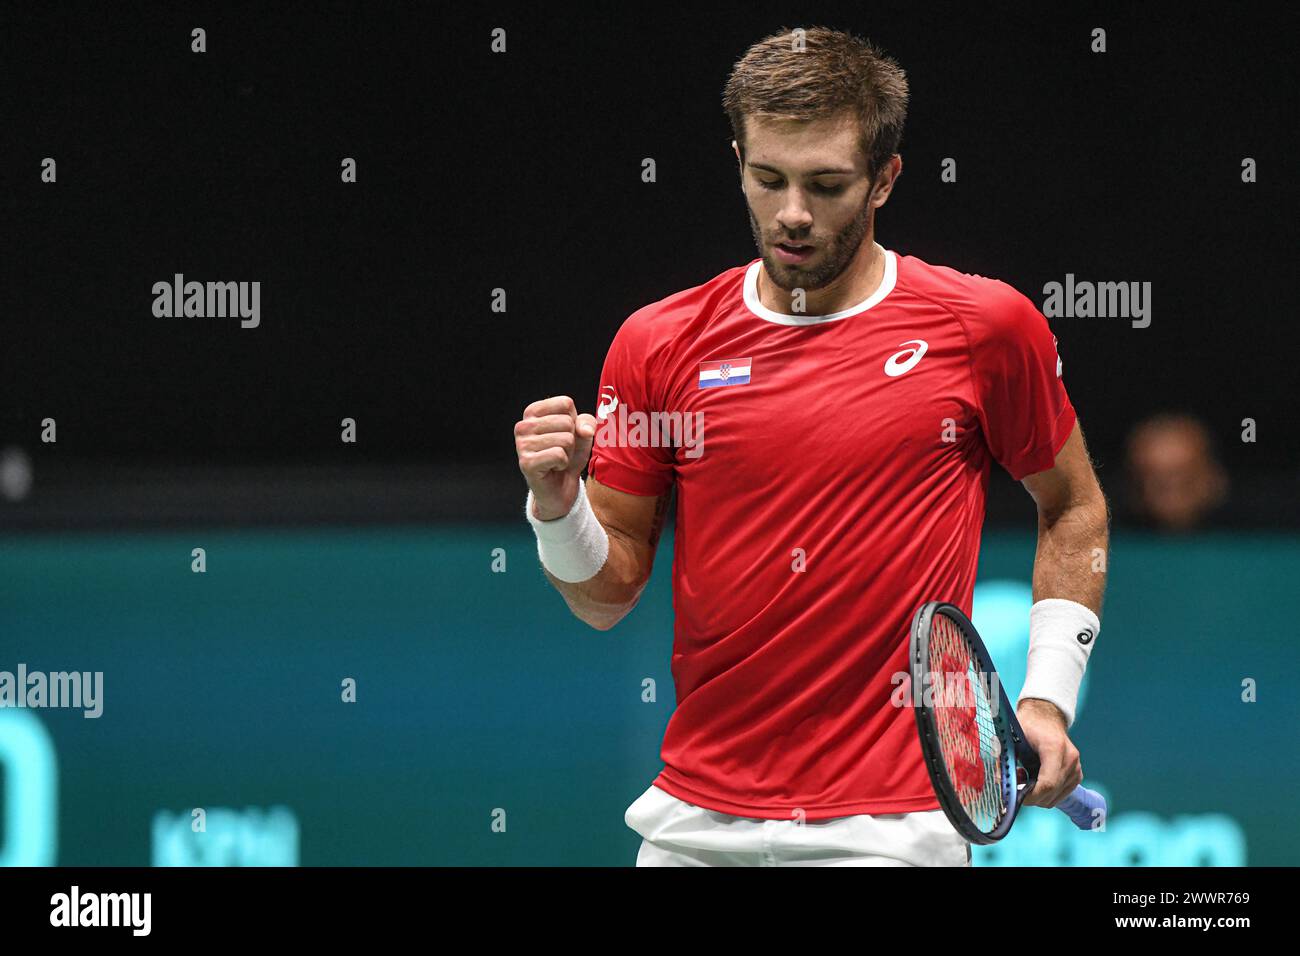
(1176, 482)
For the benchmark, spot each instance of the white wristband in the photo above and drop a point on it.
(572, 548)
(1061, 637)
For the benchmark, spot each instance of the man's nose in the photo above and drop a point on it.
(794, 217)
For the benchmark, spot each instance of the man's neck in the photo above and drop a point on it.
(853, 285)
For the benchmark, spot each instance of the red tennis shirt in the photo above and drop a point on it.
(831, 474)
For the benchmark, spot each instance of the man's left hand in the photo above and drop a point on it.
(1061, 771)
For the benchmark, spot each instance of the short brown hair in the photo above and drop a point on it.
(834, 71)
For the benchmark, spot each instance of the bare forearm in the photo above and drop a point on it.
(606, 599)
(1072, 553)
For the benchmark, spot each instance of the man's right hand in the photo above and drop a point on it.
(553, 443)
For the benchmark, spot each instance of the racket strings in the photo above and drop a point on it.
(964, 720)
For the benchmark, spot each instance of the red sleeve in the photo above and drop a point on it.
(626, 393)
(1024, 410)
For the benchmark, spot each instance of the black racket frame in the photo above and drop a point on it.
(1014, 745)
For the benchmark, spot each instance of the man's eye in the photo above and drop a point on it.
(818, 187)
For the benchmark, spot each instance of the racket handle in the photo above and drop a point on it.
(1081, 807)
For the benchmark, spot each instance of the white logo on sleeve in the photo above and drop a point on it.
(607, 402)
(905, 360)
(1058, 357)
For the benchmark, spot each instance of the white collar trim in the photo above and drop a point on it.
(780, 318)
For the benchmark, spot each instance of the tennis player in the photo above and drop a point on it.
(832, 410)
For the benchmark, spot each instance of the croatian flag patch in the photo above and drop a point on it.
(725, 372)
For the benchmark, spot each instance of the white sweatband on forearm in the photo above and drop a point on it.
(572, 548)
(1061, 637)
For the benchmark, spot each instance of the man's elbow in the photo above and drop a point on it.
(603, 615)
(1091, 516)
(1087, 506)
(1099, 507)
(603, 619)
(612, 599)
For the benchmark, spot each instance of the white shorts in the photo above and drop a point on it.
(676, 833)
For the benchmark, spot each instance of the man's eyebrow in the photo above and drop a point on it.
(824, 171)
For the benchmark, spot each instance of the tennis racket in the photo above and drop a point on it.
(980, 763)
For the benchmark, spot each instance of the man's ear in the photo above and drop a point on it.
(735, 148)
(883, 186)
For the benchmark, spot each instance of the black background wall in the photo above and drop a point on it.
(522, 171)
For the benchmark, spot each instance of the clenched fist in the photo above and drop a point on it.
(553, 443)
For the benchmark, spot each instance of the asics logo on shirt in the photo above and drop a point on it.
(607, 402)
(906, 360)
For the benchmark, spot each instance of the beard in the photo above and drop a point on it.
(831, 258)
